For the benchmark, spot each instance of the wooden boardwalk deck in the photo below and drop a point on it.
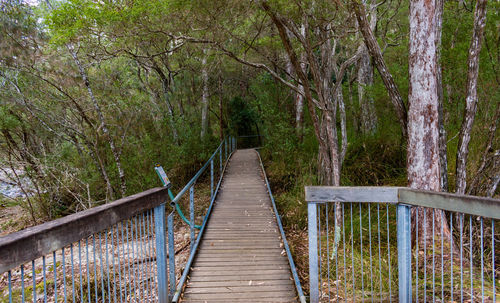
(241, 257)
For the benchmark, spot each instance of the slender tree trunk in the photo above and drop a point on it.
(471, 98)
(365, 80)
(376, 53)
(204, 96)
(443, 158)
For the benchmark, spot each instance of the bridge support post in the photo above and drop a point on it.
(312, 226)
(191, 215)
(161, 253)
(404, 252)
(211, 179)
(171, 253)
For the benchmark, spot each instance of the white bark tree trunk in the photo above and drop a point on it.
(471, 98)
(423, 127)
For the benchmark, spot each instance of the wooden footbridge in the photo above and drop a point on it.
(241, 257)
(361, 247)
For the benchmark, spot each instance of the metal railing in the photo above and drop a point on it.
(116, 252)
(390, 244)
(296, 280)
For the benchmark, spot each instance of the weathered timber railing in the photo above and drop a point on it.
(390, 244)
(116, 252)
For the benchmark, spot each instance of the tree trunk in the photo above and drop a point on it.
(365, 80)
(204, 96)
(471, 98)
(423, 160)
(443, 150)
(376, 53)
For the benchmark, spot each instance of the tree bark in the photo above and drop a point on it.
(443, 150)
(365, 80)
(471, 98)
(376, 53)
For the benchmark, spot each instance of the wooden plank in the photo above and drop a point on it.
(351, 194)
(37, 241)
(262, 300)
(238, 283)
(236, 295)
(239, 289)
(478, 206)
(195, 278)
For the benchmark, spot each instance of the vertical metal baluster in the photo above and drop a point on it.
(461, 258)
(10, 286)
(433, 264)
(95, 268)
(442, 255)
(44, 281)
(389, 253)
(102, 269)
(336, 256)
(320, 256)
(72, 273)
(361, 250)
(171, 252)
(125, 277)
(150, 254)
(191, 214)
(161, 253)
(113, 261)
(151, 247)
(107, 264)
(482, 263)
(22, 283)
(417, 209)
(55, 275)
(211, 179)
(451, 255)
(370, 239)
(470, 254)
(343, 247)
(379, 251)
(131, 273)
(34, 279)
(493, 258)
(118, 260)
(313, 252)
(80, 269)
(425, 255)
(352, 257)
(134, 269)
(138, 262)
(220, 161)
(327, 250)
(88, 267)
(146, 255)
(64, 275)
